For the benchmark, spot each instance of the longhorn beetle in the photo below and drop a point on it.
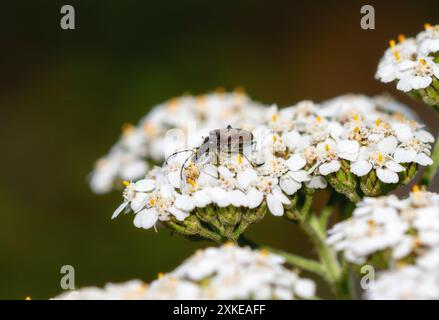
(220, 141)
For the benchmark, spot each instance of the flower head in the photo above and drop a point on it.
(399, 229)
(413, 64)
(228, 272)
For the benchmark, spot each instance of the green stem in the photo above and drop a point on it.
(430, 171)
(334, 274)
(326, 255)
(304, 211)
(300, 262)
(292, 259)
(325, 215)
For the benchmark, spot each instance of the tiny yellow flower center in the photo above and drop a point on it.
(127, 128)
(318, 118)
(28, 298)
(152, 202)
(378, 122)
(416, 188)
(220, 90)
(191, 182)
(380, 157)
(326, 147)
(200, 100)
(401, 38)
(126, 183)
(371, 223)
(173, 104)
(422, 61)
(395, 52)
(160, 275)
(143, 287)
(239, 90)
(427, 26)
(265, 252)
(274, 117)
(149, 128)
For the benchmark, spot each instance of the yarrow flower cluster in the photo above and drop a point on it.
(407, 283)
(146, 142)
(351, 142)
(398, 230)
(401, 236)
(210, 166)
(413, 64)
(228, 272)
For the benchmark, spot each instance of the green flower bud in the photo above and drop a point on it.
(216, 223)
(344, 182)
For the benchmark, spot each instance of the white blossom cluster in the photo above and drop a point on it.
(399, 236)
(130, 290)
(193, 116)
(228, 272)
(404, 229)
(413, 64)
(410, 282)
(349, 141)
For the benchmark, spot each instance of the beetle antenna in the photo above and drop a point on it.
(254, 165)
(183, 166)
(177, 152)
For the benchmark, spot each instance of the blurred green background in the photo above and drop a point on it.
(65, 94)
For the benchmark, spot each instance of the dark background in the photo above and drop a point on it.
(65, 94)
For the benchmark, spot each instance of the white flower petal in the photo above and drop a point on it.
(394, 166)
(219, 196)
(361, 167)
(144, 185)
(348, 146)
(421, 82)
(179, 214)
(277, 192)
(404, 84)
(403, 131)
(275, 205)
(119, 209)
(423, 159)
(202, 198)
(247, 177)
(388, 145)
(289, 186)
(387, 176)
(174, 179)
(329, 167)
(238, 198)
(146, 218)
(404, 156)
(184, 202)
(255, 198)
(139, 201)
(299, 176)
(317, 182)
(295, 162)
(403, 248)
(424, 136)
(305, 288)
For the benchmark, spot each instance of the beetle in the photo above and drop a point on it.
(219, 141)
